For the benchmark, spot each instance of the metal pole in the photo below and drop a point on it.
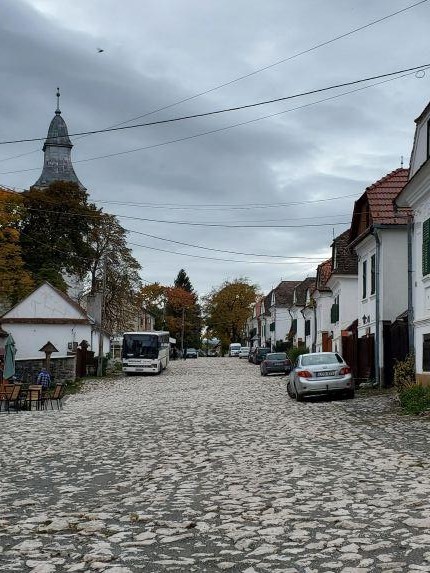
(182, 331)
(102, 304)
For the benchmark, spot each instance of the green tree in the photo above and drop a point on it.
(110, 257)
(181, 306)
(227, 308)
(54, 230)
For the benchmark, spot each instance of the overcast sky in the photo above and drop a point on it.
(157, 52)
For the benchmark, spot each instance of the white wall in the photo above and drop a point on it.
(45, 302)
(345, 287)
(421, 284)
(419, 154)
(29, 338)
(323, 301)
(394, 261)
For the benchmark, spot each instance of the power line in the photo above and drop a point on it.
(278, 62)
(256, 71)
(224, 110)
(194, 224)
(220, 129)
(219, 259)
(220, 206)
(308, 259)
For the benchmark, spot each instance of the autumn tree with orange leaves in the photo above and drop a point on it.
(16, 282)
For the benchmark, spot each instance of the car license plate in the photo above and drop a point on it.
(328, 373)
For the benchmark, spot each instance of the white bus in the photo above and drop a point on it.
(145, 352)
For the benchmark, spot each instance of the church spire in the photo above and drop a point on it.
(58, 111)
(57, 165)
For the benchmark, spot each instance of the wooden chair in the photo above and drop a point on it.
(10, 396)
(34, 395)
(56, 395)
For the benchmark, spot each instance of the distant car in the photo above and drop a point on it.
(259, 354)
(192, 353)
(244, 352)
(234, 349)
(320, 373)
(275, 362)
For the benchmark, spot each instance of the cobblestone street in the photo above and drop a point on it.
(211, 467)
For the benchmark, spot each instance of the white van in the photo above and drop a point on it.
(234, 349)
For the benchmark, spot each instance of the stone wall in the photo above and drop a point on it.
(62, 369)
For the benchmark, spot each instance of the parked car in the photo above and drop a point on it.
(320, 373)
(259, 354)
(192, 353)
(275, 362)
(244, 352)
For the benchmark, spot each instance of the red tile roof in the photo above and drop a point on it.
(379, 199)
(323, 274)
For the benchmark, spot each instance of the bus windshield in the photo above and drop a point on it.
(140, 346)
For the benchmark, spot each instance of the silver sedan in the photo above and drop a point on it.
(320, 373)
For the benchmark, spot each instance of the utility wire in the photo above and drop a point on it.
(306, 259)
(220, 129)
(256, 71)
(219, 259)
(192, 223)
(224, 110)
(277, 63)
(220, 206)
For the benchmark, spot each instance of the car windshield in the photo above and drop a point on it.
(321, 359)
(263, 351)
(140, 346)
(191, 350)
(277, 356)
(244, 349)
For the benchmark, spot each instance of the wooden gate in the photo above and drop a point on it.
(366, 357)
(396, 346)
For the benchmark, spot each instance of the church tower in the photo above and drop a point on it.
(57, 164)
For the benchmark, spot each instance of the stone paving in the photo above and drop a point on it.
(211, 467)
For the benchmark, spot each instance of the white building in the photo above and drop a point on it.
(416, 195)
(343, 285)
(281, 300)
(48, 314)
(379, 237)
(297, 330)
(323, 301)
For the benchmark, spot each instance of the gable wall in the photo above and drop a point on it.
(45, 302)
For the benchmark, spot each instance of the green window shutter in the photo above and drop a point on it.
(272, 327)
(426, 248)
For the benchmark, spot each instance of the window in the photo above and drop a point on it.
(373, 274)
(364, 279)
(294, 326)
(334, 313)
(426, 248)
(426, 352)
(307, 327)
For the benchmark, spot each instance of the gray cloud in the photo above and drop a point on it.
(157, 53)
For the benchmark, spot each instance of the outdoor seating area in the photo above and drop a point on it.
(42, 393)
(26, 397)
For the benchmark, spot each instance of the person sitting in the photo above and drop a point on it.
(44, 379)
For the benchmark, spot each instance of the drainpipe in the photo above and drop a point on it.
(377, 297)
(410, 288)
(314, 343)
(291, 316)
